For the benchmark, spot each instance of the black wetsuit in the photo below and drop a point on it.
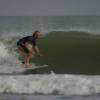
(29, 39)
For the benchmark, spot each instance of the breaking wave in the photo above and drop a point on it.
(50, 84)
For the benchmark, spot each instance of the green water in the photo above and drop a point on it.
(70, 52)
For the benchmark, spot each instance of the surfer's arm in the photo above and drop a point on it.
(36, 49)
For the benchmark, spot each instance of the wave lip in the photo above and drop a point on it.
(50, 84)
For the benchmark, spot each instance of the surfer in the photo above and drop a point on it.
(27, 45)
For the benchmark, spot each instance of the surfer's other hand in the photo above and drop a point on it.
(41, 55)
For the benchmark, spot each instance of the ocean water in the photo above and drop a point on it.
(71, 48)
(47, 97)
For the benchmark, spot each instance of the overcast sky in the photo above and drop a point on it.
(49, 7)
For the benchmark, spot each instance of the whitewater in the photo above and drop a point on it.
(50, 84)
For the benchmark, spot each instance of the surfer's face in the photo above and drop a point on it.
(38, 34)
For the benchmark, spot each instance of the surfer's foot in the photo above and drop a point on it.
(28, 66)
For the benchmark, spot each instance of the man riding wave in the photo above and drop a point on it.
(27, 45)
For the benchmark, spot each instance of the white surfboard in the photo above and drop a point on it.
(41, 66)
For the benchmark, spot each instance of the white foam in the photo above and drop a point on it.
(8, 62)
(71, 29)
(47, 84)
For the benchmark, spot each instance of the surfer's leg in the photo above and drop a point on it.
(27, 59)
(23, 51)
(28, 56)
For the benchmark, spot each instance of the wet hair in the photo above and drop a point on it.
(34, 33)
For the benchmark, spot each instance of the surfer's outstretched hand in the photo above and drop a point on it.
(41, 55)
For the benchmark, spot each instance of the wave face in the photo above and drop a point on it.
(50, 84)
(71, 52)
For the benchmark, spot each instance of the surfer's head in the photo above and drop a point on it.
(36, 34)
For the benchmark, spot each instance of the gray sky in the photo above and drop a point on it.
(49, 7)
